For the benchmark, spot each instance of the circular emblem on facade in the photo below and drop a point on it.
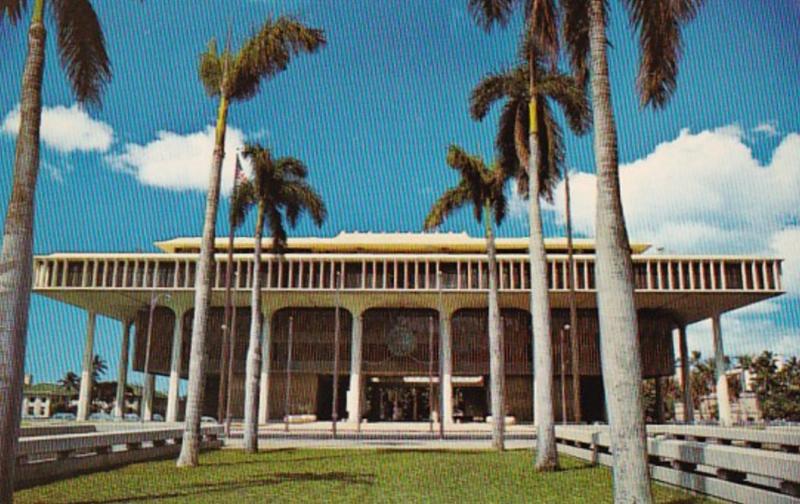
(400, 339)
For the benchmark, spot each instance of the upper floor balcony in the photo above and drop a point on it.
(397, 272)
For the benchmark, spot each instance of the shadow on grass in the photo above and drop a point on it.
(220, 487)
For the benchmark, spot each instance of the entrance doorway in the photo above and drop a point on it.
(396, 401)
(325, 397)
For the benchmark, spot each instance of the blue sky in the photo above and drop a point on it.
(372, 114)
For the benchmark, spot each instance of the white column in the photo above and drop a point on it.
(354, 393)
(446, 356)
(686, 385)
(266, 364)
(175, 367)
(723, 396)
(122, 370)
(148, 390)
(85, 397)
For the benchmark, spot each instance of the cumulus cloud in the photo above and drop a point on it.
(66, 129)
(705, 192)
(179, 162)
(701, 192)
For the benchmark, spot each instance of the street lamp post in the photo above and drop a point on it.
(335, 405)
(564, 330)
(153, 300)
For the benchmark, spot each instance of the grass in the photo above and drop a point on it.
(309, 475)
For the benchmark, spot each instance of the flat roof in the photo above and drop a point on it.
(389, 242)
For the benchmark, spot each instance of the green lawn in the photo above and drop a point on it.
(305, 475)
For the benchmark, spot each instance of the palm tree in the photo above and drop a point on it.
(83, 56)
(483, 188)
(542, 31)
(278, 189)
(659, 28)
(231, 77)
(70, 381)
(513, 146)
(99, 368)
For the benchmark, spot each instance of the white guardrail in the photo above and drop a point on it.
(735, 464)
(42, 459)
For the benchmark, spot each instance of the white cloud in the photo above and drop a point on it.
(706, 193)
(66, 129)
(701, 192)
(179, 162)
(769, 128)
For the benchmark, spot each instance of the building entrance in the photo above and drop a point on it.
(396, 401)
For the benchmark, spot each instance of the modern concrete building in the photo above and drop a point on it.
(411, 306)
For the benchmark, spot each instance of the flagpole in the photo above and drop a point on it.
(222, 409)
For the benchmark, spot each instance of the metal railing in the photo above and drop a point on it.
(371, 272)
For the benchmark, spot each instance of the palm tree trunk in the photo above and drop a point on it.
(573, 309)
(496, 368)
(190, 449)
(546, 454)
(253, 367)
(16, 262)
(620, 355)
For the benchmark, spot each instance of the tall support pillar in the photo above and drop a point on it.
(446, 357)
(85, 397)
(175, 367)
(122, 370)
(266, 364)
(686, 382)
(148, 391)
(723, 396)
(354, 394)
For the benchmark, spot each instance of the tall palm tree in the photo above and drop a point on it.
(99, 368)
(659, 28)
(83, 57)
(277, 190)
(70, 381)
(542, 31)
(231, 77)
(514, 148)
(483, 188)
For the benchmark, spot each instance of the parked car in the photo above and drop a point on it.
(100, 417)
(208, 419)
(131, 417)
(64, 416)
(157, 417)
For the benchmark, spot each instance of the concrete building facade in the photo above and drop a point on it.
(412, 319)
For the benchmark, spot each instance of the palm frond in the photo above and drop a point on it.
(511, 142)
(12, 9)
(242, 200)
(298, 196)
(495, 87)
(82, 48)
(659, 26)
(453, 199)
(471, 167)
(488, 13)
(292, 166)
(572, 98)
(499, 200)
(552, 151)
(278, 232)
(543, 27)
(269, 52)
(575, 31)
(210, 69)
